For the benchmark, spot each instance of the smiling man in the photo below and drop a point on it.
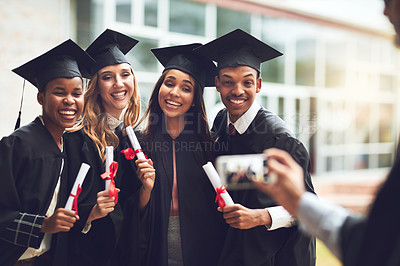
(245, 127)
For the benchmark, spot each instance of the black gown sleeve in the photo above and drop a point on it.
(17, 227)
(30, 164)
(299, 153)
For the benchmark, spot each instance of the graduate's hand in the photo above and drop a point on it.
(62, 220)
(146, 173)
(105, 204)
(289, 184)
(238, 216)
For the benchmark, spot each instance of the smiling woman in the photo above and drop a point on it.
(62, 102)
(175, 99)
(181, 199)
(116, 86)
(33, 163)
(111, 102)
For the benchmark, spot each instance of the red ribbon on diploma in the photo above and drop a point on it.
(130, 154)
(75, 202)
(218, 198)
(110, 176)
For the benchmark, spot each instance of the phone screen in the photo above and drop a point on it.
(238, 171)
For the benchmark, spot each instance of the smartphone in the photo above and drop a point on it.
(238, 171)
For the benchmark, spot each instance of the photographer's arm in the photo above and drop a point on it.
(320, 219)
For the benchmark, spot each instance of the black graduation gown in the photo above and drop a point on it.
(30, 166)
(98, 246)
(258, 246)
(130, 244)
(201, 225)
(375, 239)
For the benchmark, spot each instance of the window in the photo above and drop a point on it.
(273, 33)
(123, 11)
(274, 70)
(264, 101)
(335, 68)
(362, 123)
(84, 36)
(305, 62)
(141, 57)
(385, 160)
(385, 122)
(334, 163)
(228, 20)
(296, 118)
(362, 161)
(281, 110)
(187, 17)
(150, 13)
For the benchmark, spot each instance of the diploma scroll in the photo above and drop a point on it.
(73, 196)
(223, 197)
(110, 173)
(109, 160)
(135, 143)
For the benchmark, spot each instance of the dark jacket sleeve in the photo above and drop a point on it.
(351, 235)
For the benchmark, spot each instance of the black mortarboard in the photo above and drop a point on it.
(109, 49)
(238, 48)
(63, 61)
(182, 57)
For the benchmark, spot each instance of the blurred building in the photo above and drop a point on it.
(336, 85)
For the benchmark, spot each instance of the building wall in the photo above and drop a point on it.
(28, 28)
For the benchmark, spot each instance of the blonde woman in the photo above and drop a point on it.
(112, 102)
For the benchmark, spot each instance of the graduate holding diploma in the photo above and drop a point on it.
(111, 103)
(180, 223)
(260, 232)
(32, 162)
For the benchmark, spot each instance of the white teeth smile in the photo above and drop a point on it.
(67, 112)
(172, 103)
(118, 95)
(237, 101)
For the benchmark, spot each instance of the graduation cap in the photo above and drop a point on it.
(238, 48)
(109, 49)
(182, 57)
(63, 61)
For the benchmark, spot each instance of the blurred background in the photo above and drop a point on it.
(336, 85)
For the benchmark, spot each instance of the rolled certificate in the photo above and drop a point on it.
(109, 160)
(223, 197)
(73, 196)
(135, 143)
